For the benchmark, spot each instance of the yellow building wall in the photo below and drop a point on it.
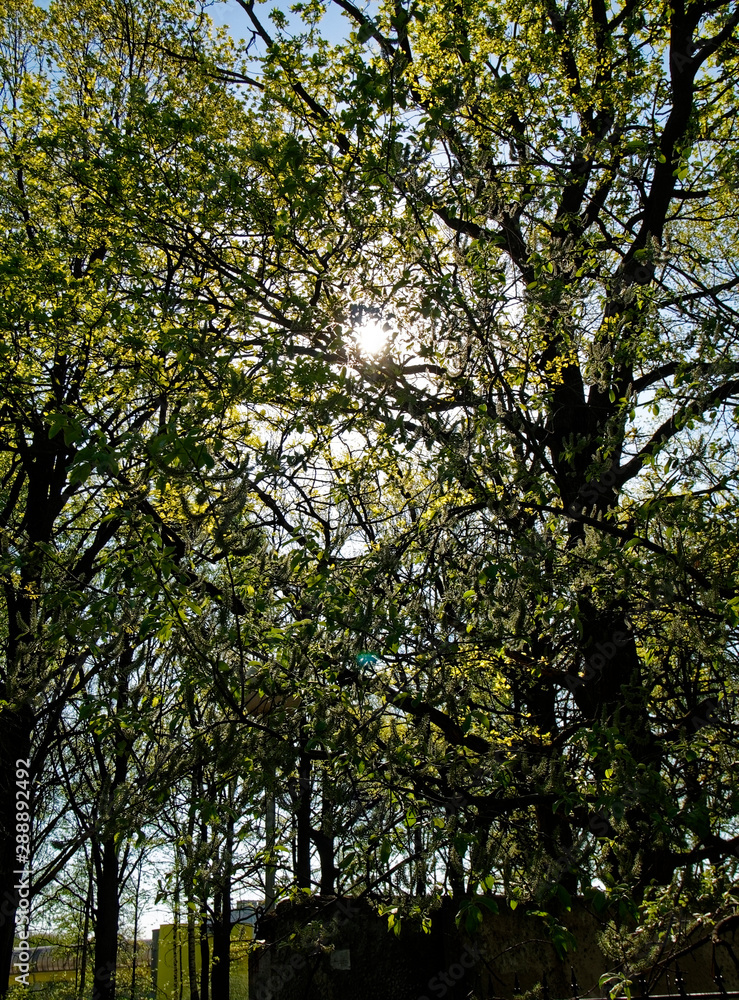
(36, 980)
(172, 976)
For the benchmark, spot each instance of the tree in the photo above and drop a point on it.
(103, 333)
(113, 759)
(484, 577)
(547, 205)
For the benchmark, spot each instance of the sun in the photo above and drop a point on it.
(371, 336)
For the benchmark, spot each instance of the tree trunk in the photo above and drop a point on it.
(85, 935)
(220, 978)
(106, 861)
(135, 932)
(420, 863)
(177, 976)
(192, 971)
(204, 951)
(324, 841)
(303, 827)
(204, 943)
(106, 922)
(269, 837)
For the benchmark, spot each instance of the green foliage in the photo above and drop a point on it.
(465, 606)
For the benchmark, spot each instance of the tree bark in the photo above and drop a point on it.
(303, 825)
(325, 845)
(85, 935)
(192, 971)
(105, 859)
(204, 951)
(269, 829)
(220, 977)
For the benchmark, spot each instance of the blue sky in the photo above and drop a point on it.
(229, 14)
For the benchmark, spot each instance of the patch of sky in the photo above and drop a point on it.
(230, 14)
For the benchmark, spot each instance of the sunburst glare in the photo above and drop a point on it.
(372, 336)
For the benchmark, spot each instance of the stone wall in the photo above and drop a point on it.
(342, 950)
